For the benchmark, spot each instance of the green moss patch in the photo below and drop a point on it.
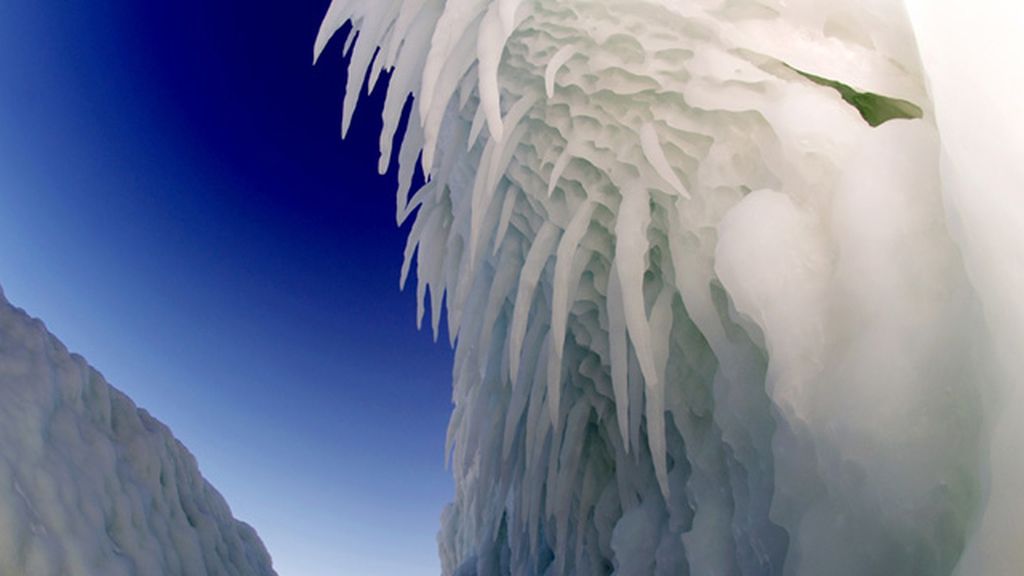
(874, 108)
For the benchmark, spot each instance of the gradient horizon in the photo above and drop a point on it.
(177, 205)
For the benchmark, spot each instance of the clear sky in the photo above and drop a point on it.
(177, 205)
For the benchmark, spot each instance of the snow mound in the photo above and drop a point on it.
(91, 485)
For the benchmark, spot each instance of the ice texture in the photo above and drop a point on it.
(734, 290)
(91, 485)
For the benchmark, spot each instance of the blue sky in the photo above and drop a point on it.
(177, 205)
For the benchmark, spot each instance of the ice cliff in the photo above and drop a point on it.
(91, 485)
(734, 284)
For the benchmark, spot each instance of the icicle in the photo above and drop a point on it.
(482, 198)
(449, 438)
(468, 88)
(507, 207)
(490, 45)
(561, 298)
(479, 196)
(636, 401)
(506, 270)
(404, 81)
(630, 255)
(514, 134)
(560, 165)
(412, 15)
(661, 328)
(467, 278)
(435, 103)
(429, 268)
(507, 10)
(452, 52)
(514, 413)
(564, 54)
(617, 349)
(693, 279)
(421, 302)
(537, 425)
(411, 146)
(652, 150)
(365, 53)
(375, 68)
(449, 31)
(337, 14)
(538, 256)
(350, 42)
(568, 466)
(477, 126)
(415, 235)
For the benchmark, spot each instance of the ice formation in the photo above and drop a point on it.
(723, 302)
(92, 485)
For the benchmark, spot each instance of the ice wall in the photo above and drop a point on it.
(720, 303)
(972, 54)
(91, 485)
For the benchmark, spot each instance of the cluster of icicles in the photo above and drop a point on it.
(708, 319)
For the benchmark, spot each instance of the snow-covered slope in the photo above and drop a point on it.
(91, 485)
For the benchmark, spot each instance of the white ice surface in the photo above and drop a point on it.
(91, 485)
(783, 342)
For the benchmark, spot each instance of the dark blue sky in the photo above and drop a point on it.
(177, 205)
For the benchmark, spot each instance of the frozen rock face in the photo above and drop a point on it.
(709, 314)
(91, 485)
